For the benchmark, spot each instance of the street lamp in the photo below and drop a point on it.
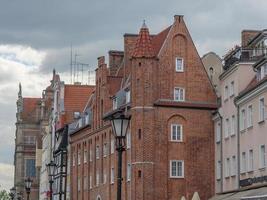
(12, 193)
(120, 124)
(28, 185)
(51, 170)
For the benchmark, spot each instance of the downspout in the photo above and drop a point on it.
(221, 150)
(238, 146)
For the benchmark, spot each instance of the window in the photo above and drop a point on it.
(79, 158)
(243, 162)
(263, 71)
(218, 132)
(30, 168)
(218, 171)
(179, 65)
(233, 125)
(79, 184)
(76, 115)
(85, 183)
(242, 119)
(128, 172)
(80, 122)
(227, 128)
(232, 89)
(250, 160)
(90, 155)
(87, 119)
(128, 140)
(85, 156)
(112, 175)
(112, 143)
(104, 177)
(114, 103)
(233, 166)
(227, 167)
(73, 160)
(179, 94)
(176, 169)
(105, 150)
(90, 182)
(261, 110)
(226, 92)
(97, 152)
(97, 178)
(262, 156)
(249, 117)
(128, 96)
(29, 139)
(176, 132)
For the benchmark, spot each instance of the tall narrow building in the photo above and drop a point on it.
(160, 81)
(27, 134)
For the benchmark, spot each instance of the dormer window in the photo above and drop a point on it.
(128, 96)
(87, 119)
(115, 104)
(263, 71)
(76, 115)
(179, 65)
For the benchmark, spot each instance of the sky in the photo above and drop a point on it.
(36, 36)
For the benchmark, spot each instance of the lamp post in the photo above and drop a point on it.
(12, 193)
(120, 124)
(28, 185)
(51, 170)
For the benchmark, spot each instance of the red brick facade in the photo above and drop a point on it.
(151, 78)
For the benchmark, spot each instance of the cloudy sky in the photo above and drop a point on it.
(35, 37)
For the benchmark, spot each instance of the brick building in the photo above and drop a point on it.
(161, 82)
(27, 135)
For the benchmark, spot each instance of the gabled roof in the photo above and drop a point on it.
(159, 39)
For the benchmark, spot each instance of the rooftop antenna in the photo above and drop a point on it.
(75, 67)
(71, 63)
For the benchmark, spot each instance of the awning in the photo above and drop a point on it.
(253, 194)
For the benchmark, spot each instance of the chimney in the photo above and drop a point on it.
(115, 60)
(248, 35)
(101, 61)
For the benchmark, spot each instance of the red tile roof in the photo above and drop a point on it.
(75, 99)
(29, 112)
(148, 45)
(143, 46)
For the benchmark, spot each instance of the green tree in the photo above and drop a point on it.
(4, 195)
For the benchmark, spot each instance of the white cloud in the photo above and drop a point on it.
(6, 176)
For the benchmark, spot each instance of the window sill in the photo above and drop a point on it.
(262, 168)
(250, 171)
(218, 142)
(233, 134)
(261, 122)
(233, 175)
(226, 138)
(232, 95)
(177, 141)
(176, 177)
(243, 173)
(250, 127)
(227, 177)
(218, 179)
(243, 131)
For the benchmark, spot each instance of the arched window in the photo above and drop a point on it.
(98, 197)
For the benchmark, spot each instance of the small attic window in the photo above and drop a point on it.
(115, 104)
(179, 65)
(76, 115)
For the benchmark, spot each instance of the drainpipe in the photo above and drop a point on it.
(238, 147)
(221, 150)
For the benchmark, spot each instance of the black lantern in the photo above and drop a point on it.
(12, 193)
(120, 124)
(28, 185)
(51, 167)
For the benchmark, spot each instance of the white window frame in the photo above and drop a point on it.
(232, 89)
(128, 172)
(218, 170)
(128, 96)
(128, 140)
(233, 125)
(90, 182)
(243, 119)
(90, 155)
(97, 152)
(79, 158)
(85, 156)
(105, 150)
(97, 178)
(218, 132)
(227, 167)
(112, 175)
(249, 116)
(250, 160)
(261, 109)
(226, 92)
(104, 177)
(262, 157)
(182, 173)
(243, 168)
(227, 128)
(179, 89)
(180, 69)
(73, 159)
(112, 145)
(233, 166)
(114, 103)
(176, 139)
